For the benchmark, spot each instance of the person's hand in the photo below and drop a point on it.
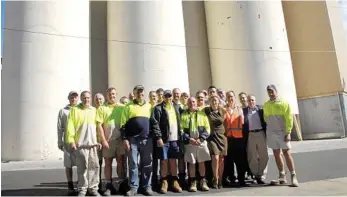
(105, 144)
(126, 145)
(197, 142)
(61, 147)
(192, 141)
(160, 143)
(73, 146)
(99, 146)
(287, 138)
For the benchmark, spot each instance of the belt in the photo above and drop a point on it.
(255, 131)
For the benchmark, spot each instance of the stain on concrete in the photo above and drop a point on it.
(258, 15)
(229, 17)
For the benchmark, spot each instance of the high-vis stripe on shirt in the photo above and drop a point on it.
(195, 125)
(110, 115)
(135, 120)
(81, 126)
(278, 116)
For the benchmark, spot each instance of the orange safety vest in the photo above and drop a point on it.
(233, 124)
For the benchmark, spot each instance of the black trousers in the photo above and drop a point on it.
(236, 155)
(248, 169)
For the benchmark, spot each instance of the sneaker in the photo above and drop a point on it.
(281, 180)
(131, 192)
(260, 180)
(163, 187)
(82, 193)
(193, 187)
(203, 185)
(176, 187)
(148, 192)
(94, 193)
(295, 182)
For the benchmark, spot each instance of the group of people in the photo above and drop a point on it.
(173, 141)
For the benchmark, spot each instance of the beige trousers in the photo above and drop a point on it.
(257, 154)
(87, 162)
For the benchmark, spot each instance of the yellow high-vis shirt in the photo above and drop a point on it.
(81, 126)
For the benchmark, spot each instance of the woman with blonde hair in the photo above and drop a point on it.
(217, 141)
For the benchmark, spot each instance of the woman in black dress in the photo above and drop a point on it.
(217, 141)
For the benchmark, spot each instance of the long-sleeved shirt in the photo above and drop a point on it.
(61, 125)
(135, 120)
(81, 126)
(109, 116)
(195, 125)
(278, 116)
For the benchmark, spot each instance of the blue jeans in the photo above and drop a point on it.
(145, 147)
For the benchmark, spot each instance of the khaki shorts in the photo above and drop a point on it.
(275, 140)
(116, 149)
(193, 154)
(69, 157)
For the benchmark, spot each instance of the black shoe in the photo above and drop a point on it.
(71, 192)
(123, 187)
(110, 190)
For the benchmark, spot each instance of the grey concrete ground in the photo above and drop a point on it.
(321, 167)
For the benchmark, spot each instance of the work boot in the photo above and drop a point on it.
(148, 192)
(280, 181)
(164, 186)
(193, 187)
(82, 193)
(176, 186)
(260, 180)
(203, 185)
(295, 182)
(94, 193)
(123, 187)
(131, 192)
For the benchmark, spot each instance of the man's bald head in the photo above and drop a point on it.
(192, 104)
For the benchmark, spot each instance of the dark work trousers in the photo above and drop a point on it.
(236, 154)
(248, 169)
(156, 168)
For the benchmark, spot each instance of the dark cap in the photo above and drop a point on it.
(160, 90)
(271, 87)
(72, 93)
(138, 87)
(168, 93)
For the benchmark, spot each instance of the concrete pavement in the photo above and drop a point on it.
(321, 167)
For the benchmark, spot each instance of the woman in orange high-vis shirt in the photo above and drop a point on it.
(236, 141)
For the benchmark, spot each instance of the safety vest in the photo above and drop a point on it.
(233, 124)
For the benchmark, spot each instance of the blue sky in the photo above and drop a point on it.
(2, 24)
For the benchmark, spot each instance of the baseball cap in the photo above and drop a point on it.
(138, 87)
(271, 87)
(72, 93)
(168, 93)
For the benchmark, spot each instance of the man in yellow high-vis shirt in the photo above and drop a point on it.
(279, 119)
(108, 124)
(81, 135)
(137, 138)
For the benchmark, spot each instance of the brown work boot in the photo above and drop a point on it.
(164, 186)
(176, 187)
(203, 185)
(192, 187)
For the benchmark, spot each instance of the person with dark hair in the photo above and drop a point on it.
(160, 94)
(165, 124)
(243, 99)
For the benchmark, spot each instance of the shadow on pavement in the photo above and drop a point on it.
(34, 192)
(55, 184)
